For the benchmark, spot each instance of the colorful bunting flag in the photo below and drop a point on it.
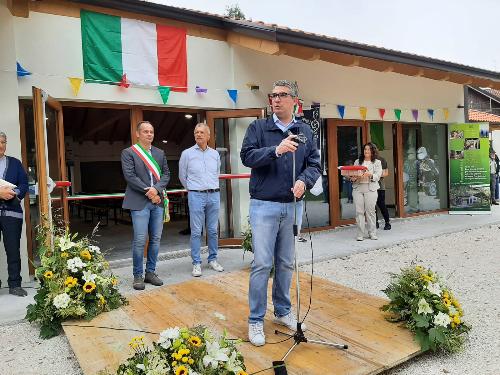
(124, 83)
(430, 112)
(414, 113)
(76, 84)
(200, 90)
(21, 72)
(233, 94)
(381, 112)
(362, 112)
(446, 113)
(397, 113)
(341, 109)
(165, 93)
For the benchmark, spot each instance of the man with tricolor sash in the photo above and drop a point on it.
(146, 172)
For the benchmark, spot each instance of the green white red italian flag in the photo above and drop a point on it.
(146, 53)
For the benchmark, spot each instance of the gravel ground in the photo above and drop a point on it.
(468, 260)
(469, 263)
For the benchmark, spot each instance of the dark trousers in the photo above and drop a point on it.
(381, 205)
(493, 186)
(10, 229)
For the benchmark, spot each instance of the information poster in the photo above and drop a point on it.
(469, 168)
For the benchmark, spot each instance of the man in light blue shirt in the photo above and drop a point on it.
(199, 173)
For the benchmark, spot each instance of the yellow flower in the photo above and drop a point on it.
(174, 363)
(181, 370)
(114, 282)
(190, 361)
(241, 372)
(195, 341)
(136, 341)
(456, 319)
(446, 295)
(64, 254)
(85, 254)
(419, 268)
(453, 325)
(447, 302)
(88, 287)
(185, 359)
(178, 356)
(48, 274)
(70, 281)
(102, 300)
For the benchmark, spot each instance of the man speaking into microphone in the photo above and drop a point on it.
(267, 149)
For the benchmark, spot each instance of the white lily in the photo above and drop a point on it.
(74, 264)
(167, 336)
(89, 276)
(423, 307)
(65, 243)
(215, 354)
(442, 319)
(434, 288)
(94, 249)
(141, 366)
(233, 365)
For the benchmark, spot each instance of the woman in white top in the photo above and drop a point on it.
(365, 191)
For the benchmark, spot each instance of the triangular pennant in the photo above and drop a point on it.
(123, 83)
(446, 113)
(414, 113)
(381, 112)
(430, 112)
(21, 72)
(233, 94)
(362, 112)
(200, 90)
(75, 83)
(397, 113)
(341, 109)
(164, 93)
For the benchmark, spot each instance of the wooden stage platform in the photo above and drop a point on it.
(338, 314)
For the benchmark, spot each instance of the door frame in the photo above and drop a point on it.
(210, 121)
(333, 160)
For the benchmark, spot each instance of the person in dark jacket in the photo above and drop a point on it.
(267, 149)
(11, 214)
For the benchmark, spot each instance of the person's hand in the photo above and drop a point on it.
(151, 192)
(299, 188)
(367, 174)
(156, 199)
(287, 145)
(7, 193)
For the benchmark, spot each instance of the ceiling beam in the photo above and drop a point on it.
(261, 45)
(19, 8)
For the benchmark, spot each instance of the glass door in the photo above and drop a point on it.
(346, 139)
(228, 129)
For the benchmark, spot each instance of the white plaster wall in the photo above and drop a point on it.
(50, 46)
(9, 109)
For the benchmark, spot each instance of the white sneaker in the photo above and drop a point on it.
(196, 270)
(359, 238)
(289, 321)
(256, 333)
(216, 266)
(373, 237)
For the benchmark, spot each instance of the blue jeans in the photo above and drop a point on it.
(204, 206)
(272, 238)
(148, 221)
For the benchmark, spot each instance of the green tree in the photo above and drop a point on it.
(234, 12)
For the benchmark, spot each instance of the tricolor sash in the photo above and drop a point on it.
(155, 169)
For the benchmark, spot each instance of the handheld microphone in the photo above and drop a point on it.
(300, 138)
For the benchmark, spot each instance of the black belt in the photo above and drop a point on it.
(206, 191)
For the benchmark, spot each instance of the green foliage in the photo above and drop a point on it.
(234, 12)
(75, 282)
(185, 351)
(420, 299)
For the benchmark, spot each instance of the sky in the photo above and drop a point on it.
(461, 31)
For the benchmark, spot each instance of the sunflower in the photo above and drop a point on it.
(195, 341)
(85, 254)
(114, 282)
(48, 274)
(88, 287)
(181, 370)
(71, 281)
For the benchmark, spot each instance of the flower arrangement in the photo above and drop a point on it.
(75, 282)
(184, 351)
(419, 297)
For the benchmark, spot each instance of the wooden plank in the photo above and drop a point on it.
(19, 8)
(338, 314)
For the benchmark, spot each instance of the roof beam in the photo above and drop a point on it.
(261, 45)
(303, 53)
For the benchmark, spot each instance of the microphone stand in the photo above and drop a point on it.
(298, 336)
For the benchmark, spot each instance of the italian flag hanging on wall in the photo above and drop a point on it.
(148, 54)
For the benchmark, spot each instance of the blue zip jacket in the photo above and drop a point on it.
(16, 175)
(271, 178)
